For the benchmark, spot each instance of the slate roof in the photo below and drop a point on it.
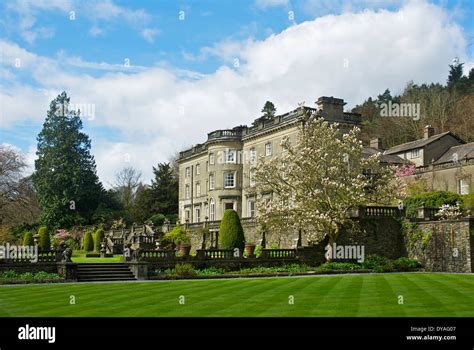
(418, 143)
(463, 152)
(384, 158)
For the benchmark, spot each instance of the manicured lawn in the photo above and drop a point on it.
(83, 259)
(423, 294)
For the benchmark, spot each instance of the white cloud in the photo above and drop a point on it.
(103, 11)
(158, 111)
(96, 31)
(149, 34)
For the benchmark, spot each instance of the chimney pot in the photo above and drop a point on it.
(376, 143)
(428, 132)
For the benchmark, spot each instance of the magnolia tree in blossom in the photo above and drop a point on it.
(317, 180)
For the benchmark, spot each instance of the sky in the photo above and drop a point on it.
(154, 77)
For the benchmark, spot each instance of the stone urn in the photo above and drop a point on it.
(250, 249)
(184, 249)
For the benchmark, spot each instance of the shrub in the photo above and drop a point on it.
(211, 271)
(468, 203)
(175, 237)
(88, 241)
(377, 263)
(258, 251)
(184, 270)
(44, 239)
(158, 220)
(405, 264)
(42, 275)
(26, 276)
(430, 199)
(28, 238)
(71, 243)
(9, 274)
(99, 237)
(339, 266)
(231, 233)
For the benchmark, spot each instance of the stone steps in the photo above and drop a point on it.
(104, 272)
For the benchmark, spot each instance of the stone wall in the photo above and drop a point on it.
(448, 248)
(379, 236)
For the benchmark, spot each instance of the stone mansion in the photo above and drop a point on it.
(216, 175)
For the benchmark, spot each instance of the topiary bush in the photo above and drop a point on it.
(430, 199)
(28, 238)
(44, 238)
(88, 241)
(231, 233)
(99, 237)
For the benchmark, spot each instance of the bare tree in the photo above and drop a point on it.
(17, 196)
(127, 182)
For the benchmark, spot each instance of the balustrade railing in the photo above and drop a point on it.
(278, 253)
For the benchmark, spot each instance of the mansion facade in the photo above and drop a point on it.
(216, 175)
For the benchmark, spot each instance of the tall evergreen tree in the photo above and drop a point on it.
(268, 109)
(164, 188)
(65, 172)
(456, 80)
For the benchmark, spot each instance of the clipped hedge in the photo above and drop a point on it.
(88, 242)
(28, 239)
(231, 233)
(99, 237)
(44, 238)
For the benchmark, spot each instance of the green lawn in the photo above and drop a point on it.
(423, 294)
(83, 259)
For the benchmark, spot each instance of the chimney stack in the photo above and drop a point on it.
(428, 132)
(331, 107)
(376, 143)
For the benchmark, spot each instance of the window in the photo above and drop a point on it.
(198, 169)
(188, 172)
(229, 205)
(211, 158)
(252, 177)
(211, 182)
(186, 214)
(253, 155)
(463, 186)
(230, 156)
(198, 215)
(229, 179)
(187, 193)
(268, 149)
(251, 209)
(198, 189)
(415, 153)
(212, 210)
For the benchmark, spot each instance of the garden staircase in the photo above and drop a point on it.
(104, 272)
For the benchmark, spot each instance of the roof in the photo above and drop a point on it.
(463, 152)
(384, 158)
(419, 143)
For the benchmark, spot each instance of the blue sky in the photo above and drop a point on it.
(195, 66)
